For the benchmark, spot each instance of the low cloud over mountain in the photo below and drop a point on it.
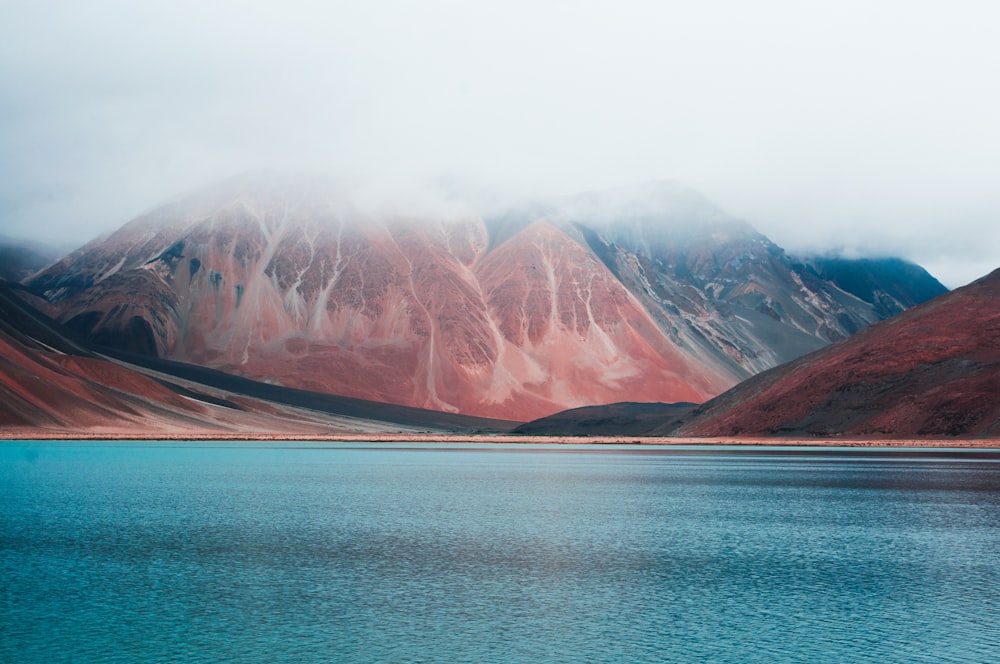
(641, 294)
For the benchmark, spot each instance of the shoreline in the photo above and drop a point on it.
(14, 435)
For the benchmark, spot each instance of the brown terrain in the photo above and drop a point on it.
(46, 389)
(648, 294)
(930, 372)
(54, 386)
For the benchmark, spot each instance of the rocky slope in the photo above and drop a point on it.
(52, 383)
(48, 381)
(933, 371)
(723, 290)
(890, 285)
(648, 294)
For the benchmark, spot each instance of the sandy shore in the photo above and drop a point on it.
(35, 434)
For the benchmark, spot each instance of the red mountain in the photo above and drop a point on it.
(932, 371)
(52, 383)
(48, 382)
(646, 294)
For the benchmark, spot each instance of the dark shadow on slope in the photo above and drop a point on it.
(318, 401)
(617, 419)
(36, 330)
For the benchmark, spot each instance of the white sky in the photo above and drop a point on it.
(870, 127)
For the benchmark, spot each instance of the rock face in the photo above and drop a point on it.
(645, 295)
(933, 371)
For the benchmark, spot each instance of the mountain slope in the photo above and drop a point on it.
(723, 290)
(49, 381)
(641, 294)
(20, 259)
(932, 371)
(891, 285)
(52, 382)
(617, 419)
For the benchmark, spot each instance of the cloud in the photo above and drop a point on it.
(864, 125)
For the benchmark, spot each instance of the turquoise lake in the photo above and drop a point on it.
(256, 552)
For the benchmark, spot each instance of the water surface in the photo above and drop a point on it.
(208, 552)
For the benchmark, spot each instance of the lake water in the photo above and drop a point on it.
(214, 552)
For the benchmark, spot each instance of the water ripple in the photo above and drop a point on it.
(199, 554)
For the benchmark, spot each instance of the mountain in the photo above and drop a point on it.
(51, 381)
(617, 419)
(891, 285)
(640, 294)
(20, 259)
(932, 371)
(723, 289)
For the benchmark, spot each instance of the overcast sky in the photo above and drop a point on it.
(871, 127)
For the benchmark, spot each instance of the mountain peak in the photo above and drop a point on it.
(664, 201)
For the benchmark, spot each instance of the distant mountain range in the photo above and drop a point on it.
(647, 294)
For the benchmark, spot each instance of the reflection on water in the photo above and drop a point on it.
(202, 552)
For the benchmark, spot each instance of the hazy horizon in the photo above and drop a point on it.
(868, 130)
